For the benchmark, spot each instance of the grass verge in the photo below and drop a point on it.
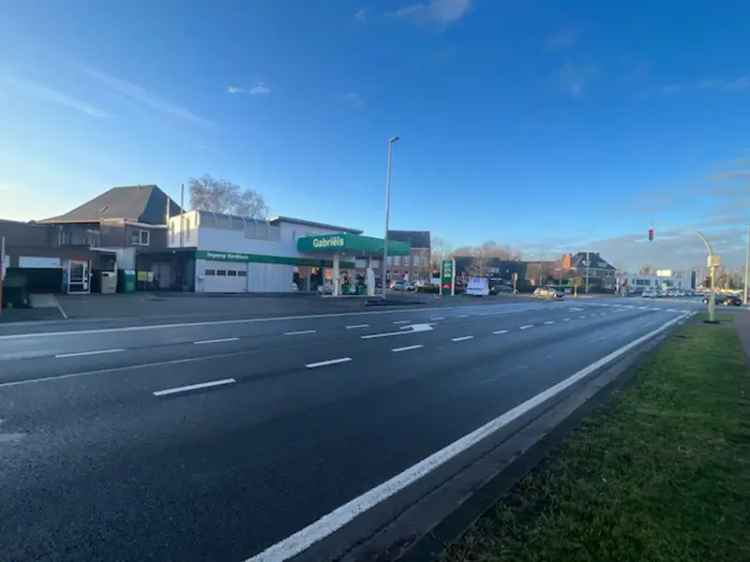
(661, 473)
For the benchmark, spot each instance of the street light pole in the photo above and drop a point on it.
(712, 264)
(384, 265)
(747, 266)
(587, 272)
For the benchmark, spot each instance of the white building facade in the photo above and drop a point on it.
(233, 254)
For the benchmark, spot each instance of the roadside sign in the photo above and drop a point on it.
(448, 277)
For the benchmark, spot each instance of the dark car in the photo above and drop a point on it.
(732, 300)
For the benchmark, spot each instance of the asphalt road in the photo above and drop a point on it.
(215, 440)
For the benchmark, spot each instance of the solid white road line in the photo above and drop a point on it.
(462, 338)
(300, 332)
(179, 389)
(230, 322)
(548, 322)
(498, 332)
(85, 353)
(407, 348)
(220, 340)
(526, 326)
(357, 326)
(336, 519)
(436, 318)
(329, 362)
(401, 321)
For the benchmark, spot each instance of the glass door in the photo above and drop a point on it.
(78, 277)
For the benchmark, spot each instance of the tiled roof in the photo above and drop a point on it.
(138, 203)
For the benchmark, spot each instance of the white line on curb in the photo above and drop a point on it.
(179, 389)
(336, 519)
(221, 340)
(462, 338)
(329, 362)
(300, 332)
(85, 353)
(407, 348)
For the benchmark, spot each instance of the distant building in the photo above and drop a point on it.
(663, 280)
(416, 266)
(600, 273)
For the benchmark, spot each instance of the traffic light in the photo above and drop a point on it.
(650, 234)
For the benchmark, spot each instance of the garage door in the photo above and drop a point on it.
(223, 277)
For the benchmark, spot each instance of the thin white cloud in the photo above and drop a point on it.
(436, 12)
(575, 78)
(563, 39)
(260, 89)
(141, 95)
(355, 101)
(361, 15)
(738, 84)
(49, 95)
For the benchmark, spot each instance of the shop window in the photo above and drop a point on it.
(232, 273)
(221, 272)
(242, 273)
(210, 272)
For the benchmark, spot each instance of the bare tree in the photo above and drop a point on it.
(223, 196)
(439, 251)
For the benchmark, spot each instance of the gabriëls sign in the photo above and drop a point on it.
(328, 242)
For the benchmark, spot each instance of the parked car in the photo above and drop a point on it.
(548, 293)
(732, 300)
(649, 294)
(403, 286)
(499, 288)
(325, 289)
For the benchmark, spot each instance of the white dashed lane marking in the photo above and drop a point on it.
(462, 338)
(221, 340)
(357, 326)
(526, 326)
(548, 322)
(190, 387)
(407, 348)
(300, 332)
(329, 362)
(498, 332)
(86, 353)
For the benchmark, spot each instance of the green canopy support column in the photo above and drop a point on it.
(336, 280)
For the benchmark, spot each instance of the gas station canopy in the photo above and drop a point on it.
(350, 245)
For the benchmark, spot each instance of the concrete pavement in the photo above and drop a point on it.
(215, 440)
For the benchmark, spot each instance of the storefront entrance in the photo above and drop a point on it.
(78, 277)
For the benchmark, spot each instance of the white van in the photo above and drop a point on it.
(478, 287)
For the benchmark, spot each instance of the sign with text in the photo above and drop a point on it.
(448, 277)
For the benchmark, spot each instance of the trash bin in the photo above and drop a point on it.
(125, 281)
(108, 282)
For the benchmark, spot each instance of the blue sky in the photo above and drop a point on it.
(545, 126)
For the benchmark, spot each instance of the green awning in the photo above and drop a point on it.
(350, 245)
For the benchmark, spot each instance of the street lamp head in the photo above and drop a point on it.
(393, 139)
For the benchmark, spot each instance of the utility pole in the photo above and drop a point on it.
(384, 265)
(587, 272)
(747, 266)
(182, 214)
(2, 270)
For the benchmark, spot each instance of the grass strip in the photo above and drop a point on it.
(660, 473)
